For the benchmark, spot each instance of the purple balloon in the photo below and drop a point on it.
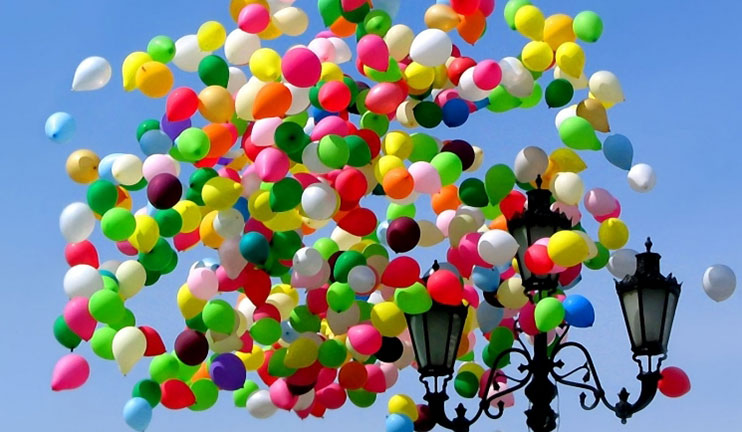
(228, 372)
(173, 129)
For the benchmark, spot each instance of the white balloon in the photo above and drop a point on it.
(497, 247)
(237, 79)
(246, 308)
(304, 401)
(516, 79)
(310, 159)
(399, 40)
(431, 47)
(604, 85)
(319, 201)
(259, 405)
(239, 47)
(76, 222)
(622, 263)
(188, 54)
(299, 98)
(82, 281)
(467, 89)
(229, 223)
(642, 177)
(127, 169)
(719, 282)
(342, 50)
(230, 257)
(568, 188)
(129, 345)
(577, 83)
(564, 114)
(307, 261)
(362, 279)
(131, 277)
(529, 163)
(92, 73)
(111, 265)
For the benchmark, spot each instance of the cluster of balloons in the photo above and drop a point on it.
(273, 147)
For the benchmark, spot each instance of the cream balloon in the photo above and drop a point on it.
(131, 277)
(127, 169)
(399, 40)
(430, 235)
(467, 89)
(460, 226)
(92, 73)
(239, 47)
(604, 85)
(237, 79)
(344, 239)
(229, 223)
(129, 345)
(568, 188)
(246, 98)
(188, 55)
(529, 163)
(474, 212)
(299, 98)
(642, 178)
(577, 83)
(291, 21)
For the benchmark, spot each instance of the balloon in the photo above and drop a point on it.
(613, 233)
(498, 182)
(228, 372)
(129, 346)
(642, 178)
(399, 423)
(719, 282)
(619, 151)
(445, 287)
(578, 133)
(537, 56)
(559, 93)
(93, 73)
(161, 48)
(137, 413)
(414, 299)
(301, 67)
(622, 263)
(588, 26)
(568, 188)
(570, 58)
(292, 21)
(497, 247)
(529, 163)
(82, 281)
(529, 21)
(567, 248)
(558, 30)
(442, 17)
(431, 47)
(211, 36)
(176, 394)
(604, 85)
(511, 293)
(674, 382)
(60, 127)
(76, 222)
(403, 234)
(188, 53)
(594, 112)
(254, 18)
(64, 335)
(154, 79)
(402, 405)
(549, 314)
(70, 372)
(578, 311)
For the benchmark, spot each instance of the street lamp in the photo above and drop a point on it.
(648, 301)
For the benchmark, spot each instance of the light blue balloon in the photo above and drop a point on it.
(288, 333)
(60, 127)
(399, 423)
(489, 316)
(155, 142)
(105, 167)
(482, 103)
(619, 151)
(578, 311)
(381, 232)
(487, 280)
(138, 414)
(389, 6)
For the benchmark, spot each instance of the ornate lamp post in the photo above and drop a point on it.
(648, 301)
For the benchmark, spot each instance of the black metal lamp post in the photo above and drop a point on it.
(648, 301)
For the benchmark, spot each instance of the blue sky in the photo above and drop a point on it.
(676, 65)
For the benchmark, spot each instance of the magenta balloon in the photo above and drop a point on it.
(281, 396)
(403, 234)
(70, 372)
(78, 318)
(364, 338)
(301, 67)
(527, 320)
(331, 396)
(330, 125)
(271, 164)
(373, 52)
(384, 98)
(487, 74)
(253, 18)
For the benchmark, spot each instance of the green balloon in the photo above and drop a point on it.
(110, 283)
(218, 315)
(500, 100)
(449, 167)
(394, 211)
(559, 93)
(285, 194)
(158, 258)
(535, 97)
(152, 277)
(330, 10)
(472, 193)
(176, 154)
(276, 365)
(578, 133)
(169, 221)
(193, 144)
(375, 249)
(364, 309)
(171, 264)
(340, 297)
(128, 320)
(240, 396)
(163, 367)
(467, 357)
(290, 137)
(141, 184)
(146, 126)
(501, 339)
(491, 211)
(284, 244)
(428, 114)
(360, 104)
(588, 26)
(102, 196)
(148, 390)
(102, 342)
(345, 262)
(332, 353)
(498, 182)
(66, 337)
(206, 393)
(424, 147)
(376, 122)
(511, 7)
(549, 314)
(300, 118)
(266, 331)
(466, 384)
(118, 224)
(198, 179)
(197, 323)
(106, 306)
(240, 124)
(414, 299)
(161, 48)
(333, 151)
(186, 372)
(361, 398)
(377, 22)
(359, 152)
(303, 320)
(326, 247)
(600, 260)
(213, 70)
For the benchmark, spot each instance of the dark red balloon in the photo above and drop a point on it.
(266, 311)
(359, 222)
(425, 420)
(176, 394)
(463, 150)
(445, 287)
(674, 382)
(191, 347)
(164, 191)
(403, 234)
(155, 346)
(257, 284)
(401, 272)
(83, 252)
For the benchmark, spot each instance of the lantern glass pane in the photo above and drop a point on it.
(417, 331)
(632, 314)
(454, 338)
(672, 302)
(653, 308)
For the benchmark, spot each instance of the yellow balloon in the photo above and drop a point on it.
(388, 319)
(441, 77)
(385, 164)
(254, 359)
(190, 213)
(82, 166)
(571, 59)
(146, 233)
(221, 193)
(529, 21)
(284, 221)
(130, 66)
(403, 404)
(259, 206)
(558, 30)
(301, 353)
(399, 39)
(331, 72)
(442, 17)
(291, 21)
(265, 65)
(154, 79)
(189, 305)
(209, 236)
(472, 367)
(397, 143)
(511, 293)
(216, 104)
(537, 56)
(566, 160)
(271, 32)
(613, 233)
(567, 248)
(211, 36)
(419, 76)
(288, 290)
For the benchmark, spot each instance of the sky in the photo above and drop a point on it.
(676, 65)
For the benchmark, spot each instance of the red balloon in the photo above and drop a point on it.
(457, 68)
(527, 319)
(674, 382)
(317, 301)
(154, 342)
(376, 381)
(401, 272)
(384, 98)
(82, 252)
(359, 222)
(326, 377)
(306, 376)
(569, 275)
(372, 139)
(267, 378)
(351, 184)
(318, 410)
(464, 266)
(181, 104)
(332, 396)
(247, 343)
(176, 394)
(465, 7)
(257, 284)
(537, 259)
(425, 420)
(446, 288)
(334, 96)
(266, 310)
(512, 204)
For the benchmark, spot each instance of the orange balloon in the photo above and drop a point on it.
(398, 183)
(352, 375)
(463, 347)
(220, 138)
(201, 373)
(499, 223)
(472, 26)
(307, 230)
(273, 100)
(343, 28)
(446, 199)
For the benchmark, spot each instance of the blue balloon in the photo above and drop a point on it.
(399, 423)
(138, 413)
(482, 103)
(489, 317)
(619, 151)
(60, 127)
(487, 280)
(155, 141)
(578, 311)
(288, 334)
(455, 112)
(105, 167)
(242, 207)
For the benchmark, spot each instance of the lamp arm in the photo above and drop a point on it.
(523, 368)
(623, 408)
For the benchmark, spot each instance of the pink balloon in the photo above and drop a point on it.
(301, 67)
(311, 282)
(325, 377)
(599, 201)
(464, 266)
(364, 339)
(253, 18)
(70, 372)
(373, 52)
(426, 177)
(78, 318)
(126, 248)
(569, 275)
(263, 131)
(391, 373)
(281, 395)
(272, 164)
(185, 241)
(571, 211)
(376, 381)
(444, 220)
(487, 74)
(330, 125)
(323, 48)
(445, 96)
(527, 320)
(227, 284)
(384, 98)
(229, 173)
(158, 164)
(203, 283)
(468, 249)
(614, 214)
(332, 396)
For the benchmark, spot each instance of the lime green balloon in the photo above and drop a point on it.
(66, 337)
(333, 151)
(206, 393)
(146, 126)
(340, 296)
(375, 249)
(424, 147)
(214, 71)
(193, 144)
(449, 167)
(394, 211)
(158, 258)
(578, 133)
(491, 211)
(102, 342)
(376, 122)
(377, 22)
(148, 390)
(285, 194)
(110, 283)
(128, 320)
(169, 221)
(472, 193)
(332, 353)
(300, 118)
(549, 314)
(534, 98)
(303, 320)
(500, 100)
(161, 48)
(511, 7)
(240, 396)
(106, 306)
(266, 331)
(498, 182)
(501, 339)
(469, 356)
(326, 247)
(345, 262)
(218, 315)
(588, 26)
(600, 260)
(414, 299)
(392, 74)
(163, 367)
(118, 224)
(277, 366)
(361, 398)
(185, 372)
(466, 384)
(559, 93)
(359, 152)
(102, 196)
